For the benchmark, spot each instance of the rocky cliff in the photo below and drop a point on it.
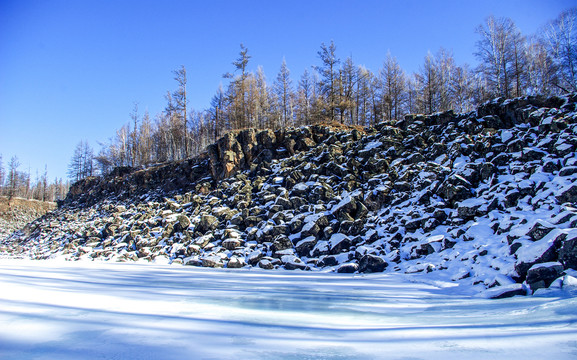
(486, 197)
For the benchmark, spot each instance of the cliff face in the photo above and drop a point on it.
(486, 197)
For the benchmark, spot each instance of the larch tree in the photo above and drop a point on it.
(347, 83)
(1, 175)
(237, 91)
(304, 98)
(134, 136)
(283, 91)
(392, 85)
(13, 178)
(81, 164)
(177, 106)
(329, 77)
(263, 100)
(428, 85)
(217, 111)
(363, 93)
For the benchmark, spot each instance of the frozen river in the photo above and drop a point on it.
(57, 310)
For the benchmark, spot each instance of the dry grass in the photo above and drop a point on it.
(25, 204)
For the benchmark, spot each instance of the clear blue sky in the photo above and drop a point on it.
(71, 70)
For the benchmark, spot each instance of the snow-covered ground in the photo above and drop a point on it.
(94, 310)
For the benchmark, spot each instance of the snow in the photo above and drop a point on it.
(94, 310)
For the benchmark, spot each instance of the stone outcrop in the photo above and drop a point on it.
(487, 196)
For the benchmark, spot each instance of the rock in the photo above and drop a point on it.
(339, 243)
(305, 246)
(235, 262)
(507, 291)
(265, 264)
(348, 268)
(208, 223)
(292, 262)
(183, 222)
(568, 171)
(541, 251)
(539, 230)
(212, 261)
(568, 251)
(372, 263)
(568, 194)
(254, 257)
(281, 242)
(204, 240)
(231, 244)
(542, 275)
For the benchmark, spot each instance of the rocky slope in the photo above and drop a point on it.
(18, 212)
(487, 198)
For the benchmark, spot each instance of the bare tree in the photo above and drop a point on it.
(500, 52)
(562, 43)
(283, 90)
(13, 177)
(392, 85)
(328, 72)
(177, 106)
(81, 164)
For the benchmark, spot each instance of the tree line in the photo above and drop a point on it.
(511, 64)
(17, 183)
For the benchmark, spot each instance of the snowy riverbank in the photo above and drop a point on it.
(93, 310)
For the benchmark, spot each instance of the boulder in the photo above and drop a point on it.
(372, 263)
(568, 194)
(542, 275)
(339, 243)
(348, 268)
(568, 251)
(507, 291)
(208, 223)
(539, 230)
(265, 264)
(281, 242)
(235, 262)
(212, 261)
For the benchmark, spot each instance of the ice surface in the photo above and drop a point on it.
(92, 310)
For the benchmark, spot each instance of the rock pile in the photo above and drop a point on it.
(488, 197)
(17, 212)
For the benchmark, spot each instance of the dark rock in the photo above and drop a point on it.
(542, 275)
(329, 260)
(305, 246)
(372, 263)
(502, 292)
(539, 230)
(281, 242)
(569, 194)
(542, 251)
(265, 264)
(568, 171)
(568, 252)
(339, 243)
(348, 268)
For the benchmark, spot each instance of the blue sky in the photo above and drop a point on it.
(71, 70)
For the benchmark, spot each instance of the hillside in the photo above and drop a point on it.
(486, 198)
(18, 212)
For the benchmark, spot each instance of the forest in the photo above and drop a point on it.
(510, 64)
(18, 183)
